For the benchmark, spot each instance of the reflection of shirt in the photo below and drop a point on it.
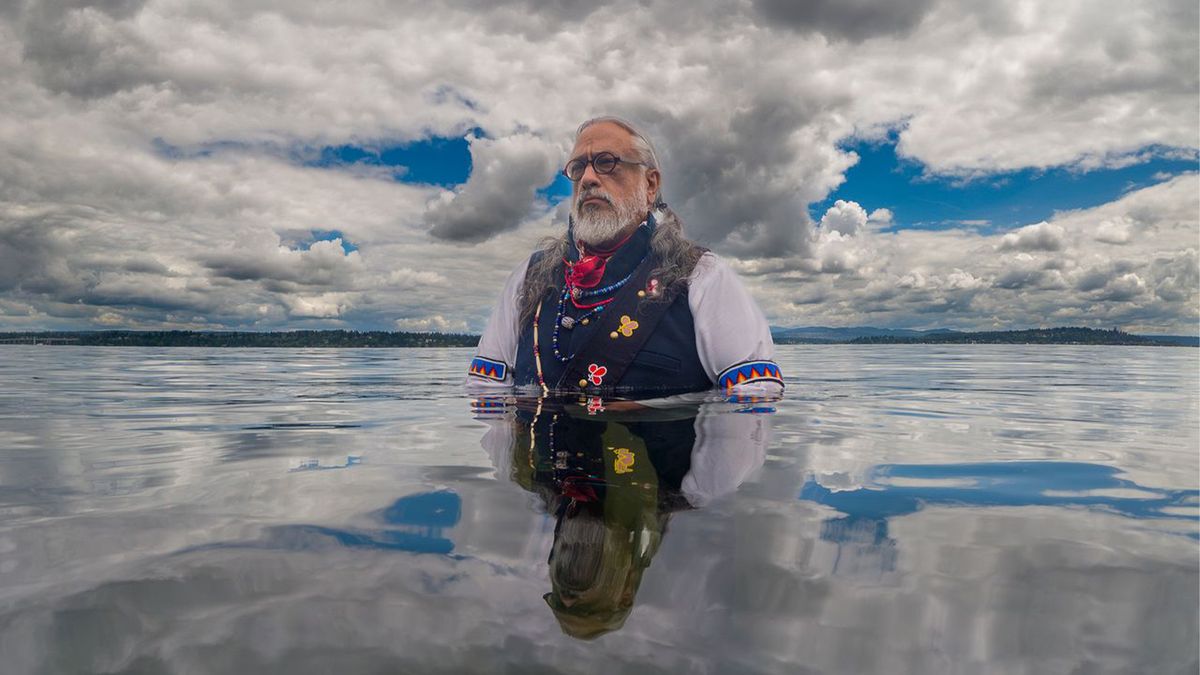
(732, 335)
(729, 448)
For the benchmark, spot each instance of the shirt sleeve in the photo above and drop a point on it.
(732, 336)
(491, 367)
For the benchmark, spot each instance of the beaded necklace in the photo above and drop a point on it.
(562, 321)
(578, 293)
(537, 359)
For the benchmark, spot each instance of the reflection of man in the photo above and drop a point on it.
(622, 301)
(611, 484)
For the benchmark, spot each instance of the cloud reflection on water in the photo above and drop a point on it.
(126, 548)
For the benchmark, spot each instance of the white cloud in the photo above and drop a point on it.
(1114, 232)
(321, 306)
(431, 324)
(1038, 237)
(844, 217)
(1056, 272)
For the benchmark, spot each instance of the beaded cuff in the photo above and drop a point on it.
(750, 371)
(488, 369)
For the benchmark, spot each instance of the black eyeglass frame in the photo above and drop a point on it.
(599, 156)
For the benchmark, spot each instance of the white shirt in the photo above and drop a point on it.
(730, 328)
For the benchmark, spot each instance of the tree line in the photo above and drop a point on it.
(294, 338)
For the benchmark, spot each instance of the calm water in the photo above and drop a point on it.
(904, 509)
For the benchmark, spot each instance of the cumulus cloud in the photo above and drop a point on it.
(1026, 271)
(1115, 232)
(844, 217)
(1056, 272)
(319, 306)
(325, 264)
(1038, 237)
(1122, 289)
(431, 324)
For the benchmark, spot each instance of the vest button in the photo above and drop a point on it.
(582, 384)
(613, 335)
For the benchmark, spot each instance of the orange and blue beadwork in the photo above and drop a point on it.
(750, 371)
(487, 368)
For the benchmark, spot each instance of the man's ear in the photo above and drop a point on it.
(653, 178)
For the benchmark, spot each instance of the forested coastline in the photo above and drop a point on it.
(351, 339)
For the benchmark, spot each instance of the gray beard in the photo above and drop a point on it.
(597, 225)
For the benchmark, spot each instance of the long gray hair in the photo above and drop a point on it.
(674, 254)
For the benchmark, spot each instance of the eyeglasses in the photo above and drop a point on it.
(603, 163)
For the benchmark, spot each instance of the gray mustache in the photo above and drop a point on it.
(590, 194)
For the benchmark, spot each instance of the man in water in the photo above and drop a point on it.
(622, 302)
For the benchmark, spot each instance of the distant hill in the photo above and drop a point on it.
(1182, 340)
(824, 334)
(1063, 335)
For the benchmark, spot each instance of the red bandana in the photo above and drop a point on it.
(588, 271)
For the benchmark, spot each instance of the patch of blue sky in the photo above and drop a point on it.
(991, 203)
(557, 190)
(437, 160)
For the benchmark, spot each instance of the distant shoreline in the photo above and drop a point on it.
(1068, 335)
(390, 339)
(298, 339)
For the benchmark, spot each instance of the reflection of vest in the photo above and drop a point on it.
(667, 363)
(631, 466)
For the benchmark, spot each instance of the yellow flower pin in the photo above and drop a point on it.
(627, 326)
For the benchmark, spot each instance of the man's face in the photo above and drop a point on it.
(604, 206)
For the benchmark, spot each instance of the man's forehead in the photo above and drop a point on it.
(603, 136)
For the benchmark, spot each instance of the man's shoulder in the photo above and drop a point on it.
(710, 268)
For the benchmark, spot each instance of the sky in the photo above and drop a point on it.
(270, 165)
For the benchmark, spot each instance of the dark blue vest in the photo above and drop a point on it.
(668, 362)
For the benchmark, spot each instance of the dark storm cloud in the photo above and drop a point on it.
(1020, 277)
(146, 266)
(325, 265)
(552, 10)
(1176, 278)
(506, 174)
(846, 19)
(735, 179)
(34, 254)
(1097, 277)
(85, 49)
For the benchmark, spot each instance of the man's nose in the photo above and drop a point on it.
(589, 178)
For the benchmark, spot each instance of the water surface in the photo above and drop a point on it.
(917, 508)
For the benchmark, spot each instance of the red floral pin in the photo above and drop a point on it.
(596, 373)
(595, 404)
